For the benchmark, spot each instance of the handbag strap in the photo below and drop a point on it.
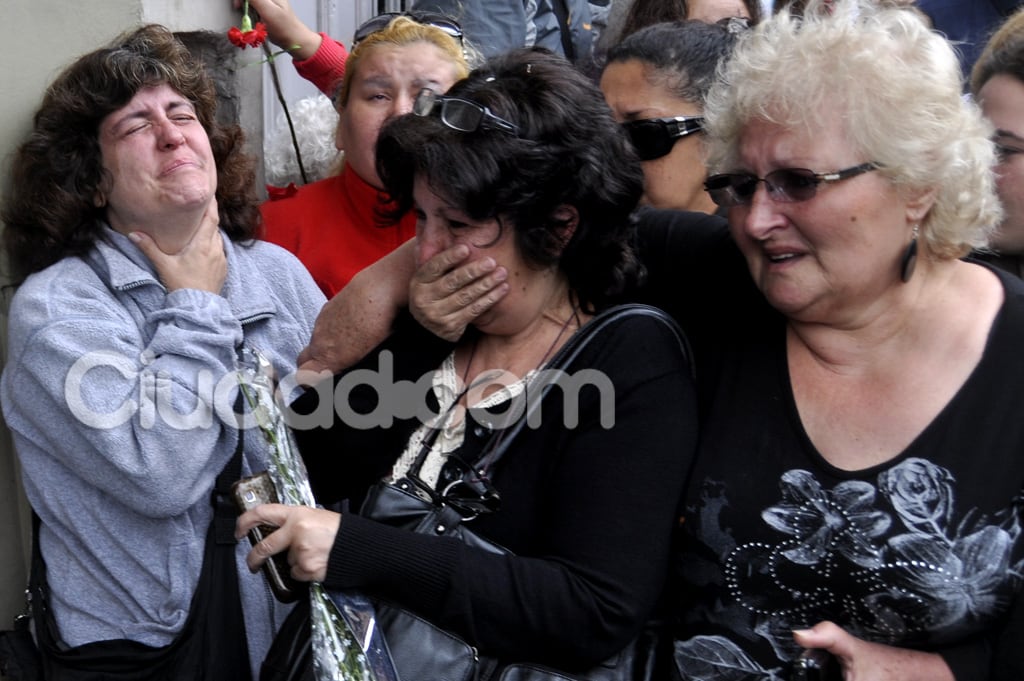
(224, 510)
(499, 442)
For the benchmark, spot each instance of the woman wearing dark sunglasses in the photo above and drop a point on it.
(655, 82)
(522, 165)
(858, 481)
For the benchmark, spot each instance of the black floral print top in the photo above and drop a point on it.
(924, 551)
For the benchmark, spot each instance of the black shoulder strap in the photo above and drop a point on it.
(224, 511)
(224, 516)
(566, 355)
(37, 571)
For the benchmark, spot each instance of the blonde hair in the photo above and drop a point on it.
(404, 31)
(897, 89)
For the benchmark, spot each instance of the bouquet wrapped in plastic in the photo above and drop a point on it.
(346, 643)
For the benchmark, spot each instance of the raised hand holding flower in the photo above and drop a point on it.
(255, 36)
(284, 28)
(248, 35)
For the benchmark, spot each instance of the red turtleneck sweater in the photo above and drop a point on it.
(333, 228)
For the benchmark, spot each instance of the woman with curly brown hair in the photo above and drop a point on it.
(129, 226)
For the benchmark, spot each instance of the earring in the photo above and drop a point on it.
(909, 259)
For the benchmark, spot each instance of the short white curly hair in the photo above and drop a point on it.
(315, 120)
(897, 87)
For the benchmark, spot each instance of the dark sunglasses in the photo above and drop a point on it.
(467, 490)
(382, 21)
(787, 185)
(654, 137)
(460, 114)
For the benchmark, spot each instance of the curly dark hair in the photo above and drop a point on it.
(1003, 54)
(649, 12)
(568, 151)
(685, 55)
(57, 173)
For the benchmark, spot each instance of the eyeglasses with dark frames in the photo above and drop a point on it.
(460, 114)
(786, 185)
(382, 21)
(654, 137)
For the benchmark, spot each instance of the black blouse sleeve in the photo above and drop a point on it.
(587, 510)
(351, 427)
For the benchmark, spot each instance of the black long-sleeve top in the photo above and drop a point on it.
(588, 512)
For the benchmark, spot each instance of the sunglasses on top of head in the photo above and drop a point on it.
(382, 21)
(786, 185)
(654, 137)
(460, 114)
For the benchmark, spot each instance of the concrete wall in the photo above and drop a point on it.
(40, 37)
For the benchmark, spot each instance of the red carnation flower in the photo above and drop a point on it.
(253, 37)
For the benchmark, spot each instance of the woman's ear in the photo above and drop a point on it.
(919, 202)
(339, 138)
(566, 217)
(99, 197)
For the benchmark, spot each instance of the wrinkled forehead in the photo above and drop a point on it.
(794, 142)
(416, 64)
(159, 97)
(711, 11)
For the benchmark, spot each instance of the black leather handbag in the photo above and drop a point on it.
(19, 657)
(421, 650)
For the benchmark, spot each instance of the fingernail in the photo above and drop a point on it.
(135, 237)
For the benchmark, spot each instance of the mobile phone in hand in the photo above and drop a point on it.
(816, 664)
(249, 493)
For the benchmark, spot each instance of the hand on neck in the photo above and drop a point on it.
(171, 231)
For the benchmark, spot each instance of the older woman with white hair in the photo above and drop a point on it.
(858, 487)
